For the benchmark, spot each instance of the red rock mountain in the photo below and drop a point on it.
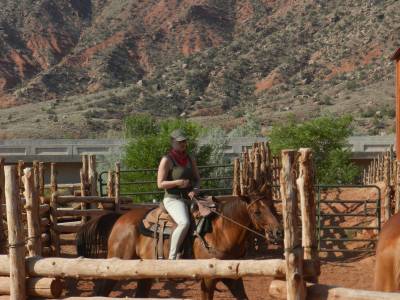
(201, 57)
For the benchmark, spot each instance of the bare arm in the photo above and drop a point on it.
(162, 182)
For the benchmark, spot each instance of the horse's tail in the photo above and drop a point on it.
(92, 237)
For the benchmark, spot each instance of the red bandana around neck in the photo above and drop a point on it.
(180, 157)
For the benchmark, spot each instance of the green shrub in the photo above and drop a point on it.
(327, 136)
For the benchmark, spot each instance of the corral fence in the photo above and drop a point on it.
(346, 223)
(22, 274)
(216, 180)
(343, 224)
(142, 183)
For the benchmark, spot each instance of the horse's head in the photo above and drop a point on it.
(264, 217)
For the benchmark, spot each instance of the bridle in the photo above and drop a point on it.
(214, 210)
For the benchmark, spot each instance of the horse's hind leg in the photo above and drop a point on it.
(103, 287)
(143, 288)
(236, 287)
(207, 289)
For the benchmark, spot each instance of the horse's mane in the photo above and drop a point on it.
(231, 207)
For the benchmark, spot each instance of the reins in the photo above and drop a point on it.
(237, 223)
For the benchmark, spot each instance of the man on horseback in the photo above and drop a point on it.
(179, 177)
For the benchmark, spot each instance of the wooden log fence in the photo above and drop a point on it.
(254, 173)
(384, 171)
(301, 262)
(3, 248)
(37, 267)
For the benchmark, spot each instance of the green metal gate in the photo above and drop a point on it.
(349, 221)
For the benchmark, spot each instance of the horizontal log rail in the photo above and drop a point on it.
(69, 227)
(80, 212)
(134, 269)
(84, 199)
(39, 287)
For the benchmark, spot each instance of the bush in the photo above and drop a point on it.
(327, 136)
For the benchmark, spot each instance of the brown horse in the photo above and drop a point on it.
(226, 241)
(387, 265)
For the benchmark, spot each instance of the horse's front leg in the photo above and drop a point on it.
(207, 289)
(236, 287)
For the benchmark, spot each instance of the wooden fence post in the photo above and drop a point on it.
(85, 175)
(41, 179)
(54, 232)
(32, 213)
(305, 185)
(117, 186)
(236, 177)
(36, 184)
(397, 182)
(3, 239)
(110, 184)
(386, 179)
(84, 183)
(296, 289)
(53, 178)
(15, 235)
(20, 172)
(92, 173)
(244, 182)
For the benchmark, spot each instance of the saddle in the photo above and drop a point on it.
(159, 225)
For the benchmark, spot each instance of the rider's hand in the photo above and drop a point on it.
(183, 183)
(193, 193)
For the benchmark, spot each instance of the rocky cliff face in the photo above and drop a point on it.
(52, 48)
(202, 58)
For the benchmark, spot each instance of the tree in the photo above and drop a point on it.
(327, 136)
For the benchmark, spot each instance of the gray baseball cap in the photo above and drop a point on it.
(178, 135)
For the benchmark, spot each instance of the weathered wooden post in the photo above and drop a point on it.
(257, 169)
(53, 178)
(20, 172)
(295, 285)
(15, 235)
(305, 185)
(397, 195)
(386, 179)
(92, 173)
(244, 183)
(396, 58)
(84, 183)
(3, 240)
(36, 184)
(117, 187)
(54, 231)
(32, 213)
(110, 184)
(41, 179)
(236, 177)
(85, 175)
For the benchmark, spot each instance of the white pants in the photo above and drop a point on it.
(177, 209)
